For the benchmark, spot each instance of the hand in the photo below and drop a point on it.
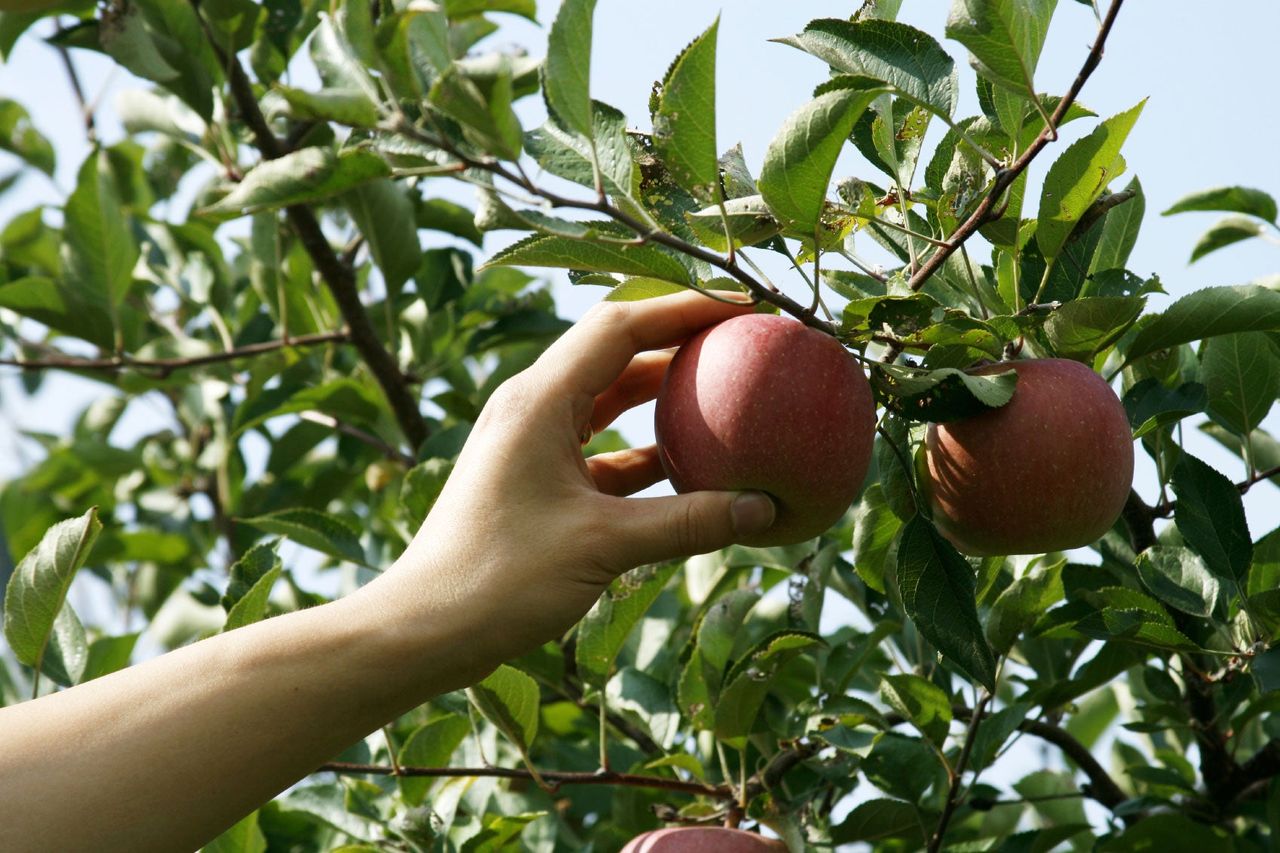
(527, 533)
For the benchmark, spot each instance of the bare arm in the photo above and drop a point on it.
(524, 538)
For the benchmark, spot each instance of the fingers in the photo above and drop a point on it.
(595, 352)
(626, 471)
(639, 383)
(649, 530)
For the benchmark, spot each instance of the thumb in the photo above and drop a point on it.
(650, 530)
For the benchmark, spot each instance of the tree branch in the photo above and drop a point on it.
(86, 109)
(986, 210)
(395, 454)
(957, 773)
(556, 778)
(338, 277)
(1164, 510)
(163, 367)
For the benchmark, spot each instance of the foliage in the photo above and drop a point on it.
(276, 270)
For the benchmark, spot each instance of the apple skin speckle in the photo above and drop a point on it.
(763, 402)
(1049, 471)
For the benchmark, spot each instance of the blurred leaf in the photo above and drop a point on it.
(880, 819)
(500, 833)
(909, 60)
(721, 626)
(632, 289)
(1206, 313)
(647, 698)
(1210, 516)
(314, 529)
(1178, 578)
(459, 9)
(922, 702)
(1225, 232)
(36, 592)
(604, 629)
(63, 306)
(1229, 200)
(1022, 603)
(1082, 328)
(430, 745)
(19, 136)
(99, 250)
(799, 160)
(1169, 832)
(440, 214)
(567, 74)
(108, 655)
(903, 767)
(303, 177)
(386, 219)
(1078, 177)
(351, 107)
(1241, 374)
(244, 837)
(937, 588)
(509, 699)
(484, 112)
(1004, 37)
(751, 678)
(684, 118)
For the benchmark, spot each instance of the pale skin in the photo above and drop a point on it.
(525, 537)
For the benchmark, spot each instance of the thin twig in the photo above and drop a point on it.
(86, 110)
(555, 778)
(1166, 508)
(957, 774)
(163, 367)
(1005, 178)
(395, 454)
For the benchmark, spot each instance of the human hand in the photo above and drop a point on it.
(527, 533)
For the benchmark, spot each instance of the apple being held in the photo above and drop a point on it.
(703, 839)
(1048, 471)
(765, 403)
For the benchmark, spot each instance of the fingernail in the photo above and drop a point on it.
(752, 512)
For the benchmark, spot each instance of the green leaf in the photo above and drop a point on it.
(509, 699)
(1178, 578)
(459, 9)
(1206, 313)
(1078, 177)
(1226, 231)
(18, 136)
(1168, 832)
(302, 177)
(750, 680)
(314, 529)
(127, 39)
(1004, 36)
(430, 745)
(62, 306)
(1151, 406)
(1210, 516)
(1082, 328)
(422, 487)
(549, 251)
(108, 655)
(901, 766)
(567, 73)
(37, 590)
(937, 588)
(684, 123)
(569, 155)
(632, 289)
(721, 626)
(799, 160)
(253, 565)
(747, 219)
(440, 214)
(1022, 603)
(1241, 374)
(922, 702)
(605, 628)
(995, 730)
(385, 216)
(875, 526)
(99, 250)
(244, 837)
(67, 652)
(944, 394)
(482, 107)
(910, 61)
(350, 106)
(252, 606)
(1119, 234)
(880, 819)
(500, 833)
(649, 700)
(1244, 200)
(345, 398)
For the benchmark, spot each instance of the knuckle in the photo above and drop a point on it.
(687, 529)
(607, 313)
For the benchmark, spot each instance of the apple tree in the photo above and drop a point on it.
(276, 280)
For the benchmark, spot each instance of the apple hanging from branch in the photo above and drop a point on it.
(1048, 471)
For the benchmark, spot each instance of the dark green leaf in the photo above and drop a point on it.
(1225, 232)
(253, 565)
(252, 606)
(99, 250)
(901, 766)
(1178, 578)
(484, 111)
(430, 745)
(385, 216)
(1151, 406)
(509, 699)
(108, 655)
(1241, 374)
(460, 9)
(880, 819)
(314, 529)
(1210, 516)
(922, 702)
(750, 680)
(1119, 232)
(1022, 603)
(937, 588)
(1169, 832)
(943, 394)
(62, 306)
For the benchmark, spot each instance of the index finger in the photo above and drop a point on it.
(594, 352)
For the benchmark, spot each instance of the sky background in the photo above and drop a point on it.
(1213, 118)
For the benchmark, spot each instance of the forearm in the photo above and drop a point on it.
(166, 754)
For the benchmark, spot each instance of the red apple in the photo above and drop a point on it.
(766, 403)
(703, 839)
(1050, 470)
